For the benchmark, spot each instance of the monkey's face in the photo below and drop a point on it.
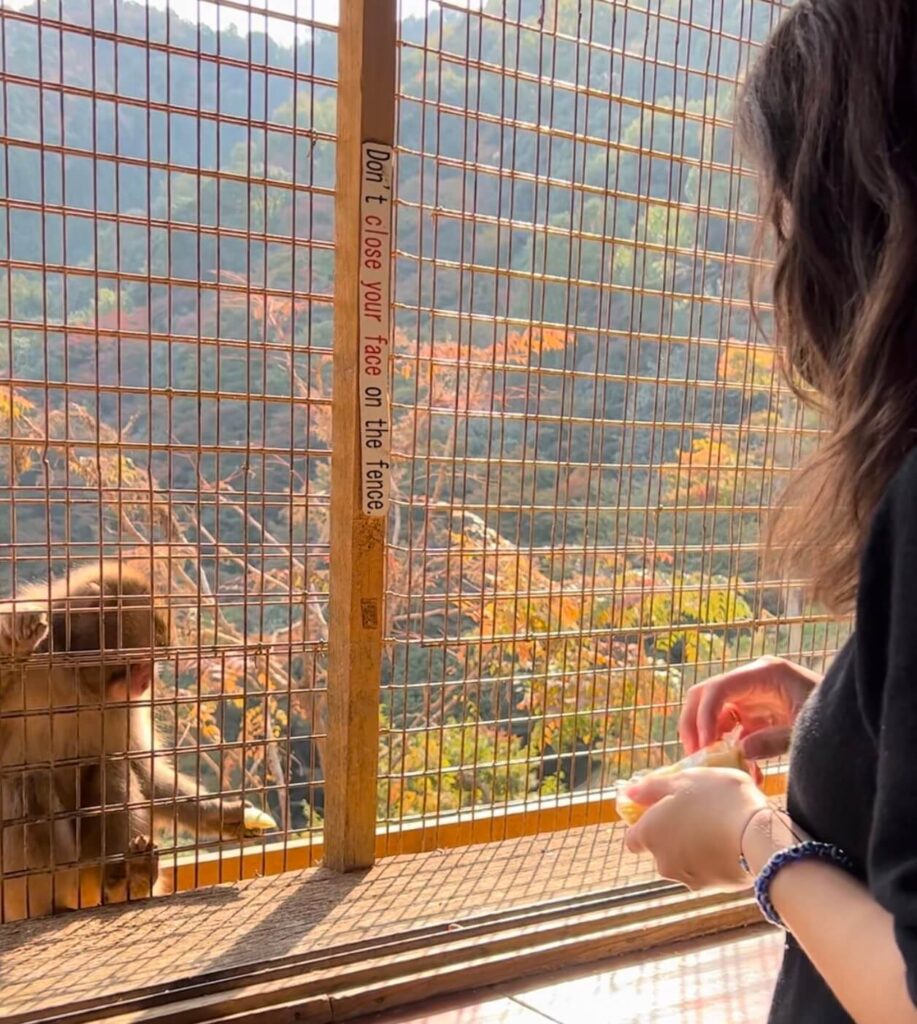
(125, 640)
(134, 633)
(129, 682)
(116, 683)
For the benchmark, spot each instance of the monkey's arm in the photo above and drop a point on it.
(176, 795)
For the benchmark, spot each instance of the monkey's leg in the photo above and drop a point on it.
(34, 848)
(116, 826)
(25, 881)
(115, 845)
(63, 837)
(66, 879)
(22, 629)
(131, 864)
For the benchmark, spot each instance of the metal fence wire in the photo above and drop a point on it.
(167, 242)
(586, 425)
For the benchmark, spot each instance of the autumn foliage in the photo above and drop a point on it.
(517, 665)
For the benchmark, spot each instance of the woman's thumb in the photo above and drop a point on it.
(766, 743)
(649, 791)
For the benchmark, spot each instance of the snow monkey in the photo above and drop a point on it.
(80, 788)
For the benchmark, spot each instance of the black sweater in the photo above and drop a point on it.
(853, 768)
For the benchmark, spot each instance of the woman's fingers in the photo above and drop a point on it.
(633, 842)
(638, 838)
(708, 712)
(651, 790)
(713, 700)
(687, 723)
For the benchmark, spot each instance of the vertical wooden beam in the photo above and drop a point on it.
(366, 113)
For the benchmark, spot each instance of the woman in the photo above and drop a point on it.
(830, 115)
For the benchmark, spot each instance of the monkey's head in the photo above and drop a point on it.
(111, 611)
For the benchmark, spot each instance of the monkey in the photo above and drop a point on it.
(469, 783)
(580, 769)
(81, 784)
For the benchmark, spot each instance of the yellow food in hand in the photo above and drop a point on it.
(724, 754)
(258, 821)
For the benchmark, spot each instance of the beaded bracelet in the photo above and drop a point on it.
(809, 850)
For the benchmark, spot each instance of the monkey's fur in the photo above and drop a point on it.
(78, 798)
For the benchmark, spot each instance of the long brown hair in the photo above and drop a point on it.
(829, 113)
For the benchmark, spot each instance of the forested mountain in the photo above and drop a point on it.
(582, 438)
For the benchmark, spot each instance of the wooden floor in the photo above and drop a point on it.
(721, 981)
(95, 954)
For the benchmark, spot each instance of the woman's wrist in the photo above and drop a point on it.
(767, 833)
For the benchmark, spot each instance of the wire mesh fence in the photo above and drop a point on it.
(586, 425)
(167, 239)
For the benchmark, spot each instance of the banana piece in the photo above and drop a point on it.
(258, 821)
(726, 753)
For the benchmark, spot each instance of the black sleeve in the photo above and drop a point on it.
(887, 689)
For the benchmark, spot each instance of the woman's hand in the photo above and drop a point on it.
(763, 698)
(695, 825)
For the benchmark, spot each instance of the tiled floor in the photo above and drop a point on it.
(703, 983)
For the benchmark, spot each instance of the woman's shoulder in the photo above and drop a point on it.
(891, 544)
(906, 476)
(901, 493)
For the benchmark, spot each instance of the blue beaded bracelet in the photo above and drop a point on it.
(809, 850)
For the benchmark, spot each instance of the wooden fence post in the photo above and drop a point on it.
(360, 425)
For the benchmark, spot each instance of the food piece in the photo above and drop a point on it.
(258, 821)
(725, 753)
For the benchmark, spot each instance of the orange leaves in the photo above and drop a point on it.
(746, 364)
(13, 408)
(706, 473)
(720, 467)
(523, 348)
(464, 763)
(227, 675)
(552, 339)
(16, 430)
(442, 363)
(519, 603)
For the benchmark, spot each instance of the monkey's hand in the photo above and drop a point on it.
(243, 820)
(134, 876)
(142, 868)
(22, 629)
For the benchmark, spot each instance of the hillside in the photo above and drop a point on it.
(583, 441)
